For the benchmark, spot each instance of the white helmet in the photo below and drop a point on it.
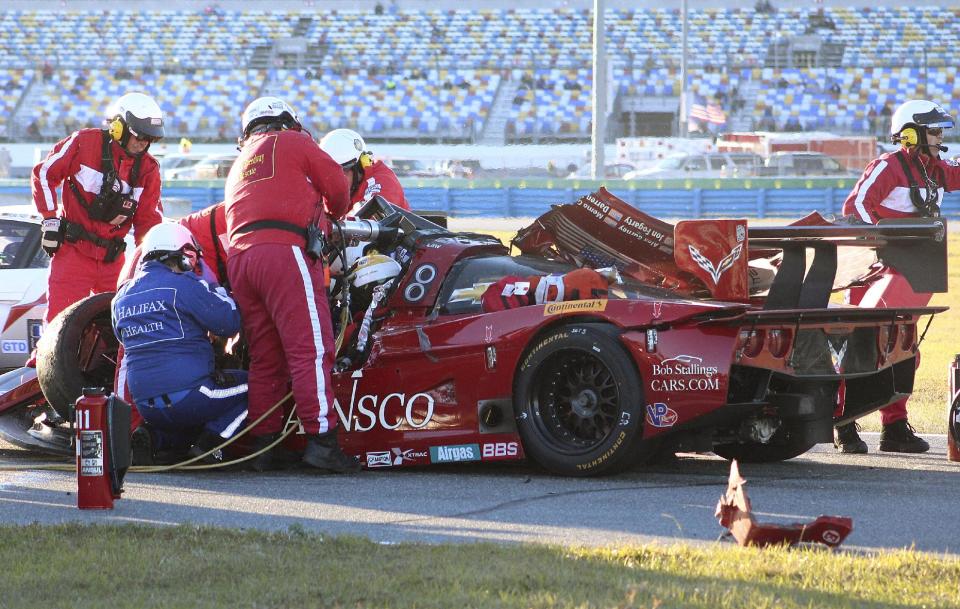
(344, 145)
(168, 239)
(352, 253)
(921, 113)
(373, 268)
(138, 114)
(267, 110)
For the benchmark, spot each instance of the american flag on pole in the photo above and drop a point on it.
(697, 118)
(715, 114)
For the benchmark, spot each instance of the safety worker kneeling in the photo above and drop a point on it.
(162, 317)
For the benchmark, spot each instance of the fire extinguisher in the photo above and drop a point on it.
(103, 448)
(953, 411)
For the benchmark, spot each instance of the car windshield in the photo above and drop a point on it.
(673, 162)
(18, 245)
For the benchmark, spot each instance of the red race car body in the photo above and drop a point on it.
(720, 337)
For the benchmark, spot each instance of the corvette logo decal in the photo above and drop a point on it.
(836, 355)
(706, 265)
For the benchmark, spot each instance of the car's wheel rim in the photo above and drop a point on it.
(577, 399)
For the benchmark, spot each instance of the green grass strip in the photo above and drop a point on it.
(138, 566)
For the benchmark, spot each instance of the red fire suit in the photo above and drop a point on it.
(378, 179)
(283, 176)
(884, 192)
(209, 228)
(78, 268)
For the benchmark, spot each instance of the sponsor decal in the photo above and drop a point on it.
(684, 373)
(392, 411)
(831, 536)
(715, 271)
(624, 419)
(657, 309)
(373, 188)
(488, 334)
(574, 306)
(661, 415)
(14, 346)
(456, 453)
(499, 450)
(401, 456)
(836, 355)
(379, 459)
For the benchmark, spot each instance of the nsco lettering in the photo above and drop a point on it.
(391, 411)
(451, 454)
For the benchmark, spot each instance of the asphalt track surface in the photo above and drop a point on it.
(895, 501)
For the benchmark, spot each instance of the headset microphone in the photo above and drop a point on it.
(942, 148)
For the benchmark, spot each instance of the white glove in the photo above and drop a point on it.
(52, 237)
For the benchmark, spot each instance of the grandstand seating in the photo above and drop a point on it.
(398, 73)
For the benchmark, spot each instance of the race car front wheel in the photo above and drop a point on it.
(78, 350)
(578, 401)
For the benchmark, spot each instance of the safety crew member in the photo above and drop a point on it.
(162, 317)
(909, 182)
(209, 228)
(280, 190)
(367, 177)
(112, 183)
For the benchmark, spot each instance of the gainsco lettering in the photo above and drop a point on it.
(373, 410)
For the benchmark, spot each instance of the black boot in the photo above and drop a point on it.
(141, 447)
(205, 443)
(899, 437)
(323, 452)
(846, 439)
(263, 462)
(276, 458)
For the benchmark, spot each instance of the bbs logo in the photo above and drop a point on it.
(499, 450)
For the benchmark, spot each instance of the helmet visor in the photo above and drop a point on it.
(145, 129)
(935, 117)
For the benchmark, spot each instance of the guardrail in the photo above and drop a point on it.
(681, 198)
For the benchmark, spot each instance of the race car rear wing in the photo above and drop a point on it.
(792, 267)
(915, 247)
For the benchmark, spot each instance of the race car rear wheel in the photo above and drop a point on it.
(78, 350)
(578, 401)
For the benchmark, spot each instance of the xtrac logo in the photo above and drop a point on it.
(499, 450)
(661, 415)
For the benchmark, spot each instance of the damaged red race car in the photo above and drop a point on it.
(611, 335)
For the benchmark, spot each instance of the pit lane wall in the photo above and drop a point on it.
(675, 198)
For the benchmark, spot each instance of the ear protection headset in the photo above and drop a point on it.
(365, 160)
(909, 137)
(116, 129)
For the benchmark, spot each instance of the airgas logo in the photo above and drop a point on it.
(451, 454)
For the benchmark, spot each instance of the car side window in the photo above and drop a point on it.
(717, 162)
(695, 163)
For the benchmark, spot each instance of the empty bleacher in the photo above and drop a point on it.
(412, 75)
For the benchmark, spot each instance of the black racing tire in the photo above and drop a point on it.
(782, 446)
(78, 350)
(578, 402)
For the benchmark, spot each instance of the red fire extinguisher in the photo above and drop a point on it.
(103, 448)
(953, 412)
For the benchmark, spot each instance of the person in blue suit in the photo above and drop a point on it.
(162, 316)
